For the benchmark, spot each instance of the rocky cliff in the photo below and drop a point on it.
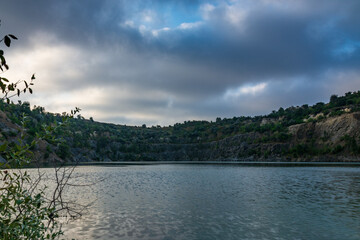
(322, 132)
(332, 139)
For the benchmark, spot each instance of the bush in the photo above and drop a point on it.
(25, 212)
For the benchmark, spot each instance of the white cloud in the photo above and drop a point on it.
(128, 23)
(235, 14)
(156, 32)
(185, 26)
(206, 10)
(245, 90)
(56, 63)
(148, 16)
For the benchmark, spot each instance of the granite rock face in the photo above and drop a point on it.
(330, 130)
(328, 133)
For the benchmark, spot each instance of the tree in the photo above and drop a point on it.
(333, 99)
(25, 210)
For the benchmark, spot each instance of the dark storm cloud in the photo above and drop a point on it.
(75, 21)
(186, 70)
(273, 44)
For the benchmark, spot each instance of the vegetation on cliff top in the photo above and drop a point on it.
(87, 140)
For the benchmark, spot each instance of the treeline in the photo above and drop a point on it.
(111, 141)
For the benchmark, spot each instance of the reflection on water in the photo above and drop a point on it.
(218, 202)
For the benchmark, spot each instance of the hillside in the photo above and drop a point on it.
(322, 132)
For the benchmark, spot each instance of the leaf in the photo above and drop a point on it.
(33, 77)
(7, 41)
(30, 90)
(3, 61)
(18, 92)
(26, 84)
(12, 36)
(1, 52)
(4, 79)
(3, 147)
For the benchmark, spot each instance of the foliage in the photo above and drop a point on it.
(25, 212)
(87, 139)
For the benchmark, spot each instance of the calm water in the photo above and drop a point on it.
(218, 202)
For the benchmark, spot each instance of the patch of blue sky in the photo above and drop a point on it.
(346, 50)
(175, 15)
(170, 14)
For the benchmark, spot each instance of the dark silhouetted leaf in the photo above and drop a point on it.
(12, 36)
(30, 90)
(1, 52)
(7, 41)
(18, 92)
(33, 77)
(3, 61)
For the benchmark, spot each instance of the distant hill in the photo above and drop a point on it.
(322, 132)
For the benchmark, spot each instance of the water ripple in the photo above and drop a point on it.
(217, 202)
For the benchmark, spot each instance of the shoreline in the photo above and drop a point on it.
(251, 164)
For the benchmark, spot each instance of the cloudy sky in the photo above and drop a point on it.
(167, 61)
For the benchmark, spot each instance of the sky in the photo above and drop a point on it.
(162, 62)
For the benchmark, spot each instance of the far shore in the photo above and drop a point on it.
(254, 164)
(224, 163)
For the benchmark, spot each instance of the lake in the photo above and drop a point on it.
(217, 202)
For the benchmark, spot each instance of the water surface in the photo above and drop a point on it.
(217, 202)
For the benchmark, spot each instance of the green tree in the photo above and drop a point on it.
(25, 211)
